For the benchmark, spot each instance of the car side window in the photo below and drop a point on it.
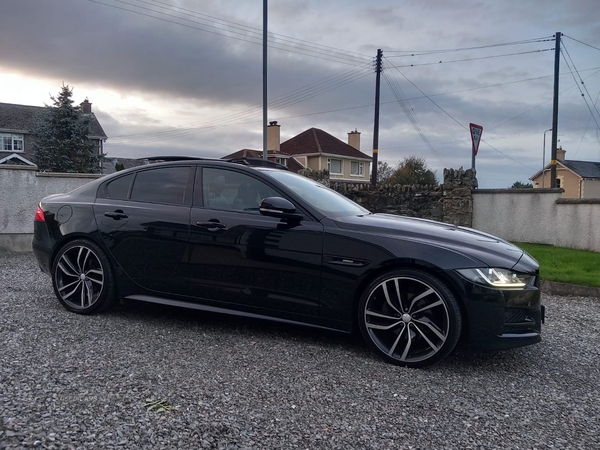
(233, 191)
(118, 189)
(164, 185)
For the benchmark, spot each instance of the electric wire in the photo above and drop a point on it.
(579, 76)
(582, 94)
(475, 59)
(311, 53)
(233, 119)
(370, 105)
(451, 50)
(586, 128)
(287, 99)
(412, 117)
(577, 40)
(460, 124)
(259, 30)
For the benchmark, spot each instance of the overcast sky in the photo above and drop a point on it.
(185, 76)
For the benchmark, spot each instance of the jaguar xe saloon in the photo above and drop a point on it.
(256, 240)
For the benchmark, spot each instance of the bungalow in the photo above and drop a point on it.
(578, 179)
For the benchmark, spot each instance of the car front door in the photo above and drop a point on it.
(143, 218)
(242, 259)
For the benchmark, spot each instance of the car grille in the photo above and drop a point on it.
(519, 321)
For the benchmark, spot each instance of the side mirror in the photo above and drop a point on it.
(279, 207)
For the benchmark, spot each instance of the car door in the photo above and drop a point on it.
(245, 260)
(143, 218)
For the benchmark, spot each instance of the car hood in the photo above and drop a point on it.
(490, 250)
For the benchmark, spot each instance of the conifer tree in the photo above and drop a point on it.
(61, 142)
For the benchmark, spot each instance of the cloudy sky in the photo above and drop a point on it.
(185, 76)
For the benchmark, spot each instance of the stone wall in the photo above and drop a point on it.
(451, 202)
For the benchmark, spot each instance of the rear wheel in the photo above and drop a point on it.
(82, 278)
(410, 318)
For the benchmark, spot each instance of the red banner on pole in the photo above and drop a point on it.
(476, 132)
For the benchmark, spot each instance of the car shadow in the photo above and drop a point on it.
(461, 360)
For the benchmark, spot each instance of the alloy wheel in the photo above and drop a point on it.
(79, 277)
(407, 319)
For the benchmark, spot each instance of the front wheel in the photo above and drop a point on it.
(410, 318)
(82, 278)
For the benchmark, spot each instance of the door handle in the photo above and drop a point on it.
(117, 215)
(211, 225)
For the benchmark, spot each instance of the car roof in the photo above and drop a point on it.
(252, 162)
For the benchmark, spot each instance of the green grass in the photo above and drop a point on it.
(566, 265)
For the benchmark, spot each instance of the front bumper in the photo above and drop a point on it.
(502, 318)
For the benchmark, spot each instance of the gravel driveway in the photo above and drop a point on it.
(68, 381)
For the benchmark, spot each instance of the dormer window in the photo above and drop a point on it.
(10, 142)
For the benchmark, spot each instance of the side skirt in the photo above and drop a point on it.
(231, 312)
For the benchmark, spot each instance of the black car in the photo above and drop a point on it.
(268, 243)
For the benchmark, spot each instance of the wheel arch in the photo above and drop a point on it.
(424, 266)
(73, 237)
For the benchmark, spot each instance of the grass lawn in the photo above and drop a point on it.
(566, 265)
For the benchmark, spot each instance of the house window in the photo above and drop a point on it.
(11, 142)
(334, 166)
(280, 161)
(356, 168)
(559, 182)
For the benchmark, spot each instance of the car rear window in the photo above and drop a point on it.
(164, 185)
(119, 188)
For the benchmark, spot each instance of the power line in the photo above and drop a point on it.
(577, 40)
(370, 105)
(581, 92)
(400, 97)
(582, 83)
(451, 50)
(460, 124)
(474, 59)
(586, 127)
(232, 119)
(256, 30)
(311, 53)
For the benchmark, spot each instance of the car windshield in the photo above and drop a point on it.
(326, 200)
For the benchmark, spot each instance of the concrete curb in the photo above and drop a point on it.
(566, 289)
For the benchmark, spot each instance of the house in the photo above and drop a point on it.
(16, 124)
(112, 165)
(317, 150)
(579, 179)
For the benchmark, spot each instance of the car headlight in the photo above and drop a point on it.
(496, 277)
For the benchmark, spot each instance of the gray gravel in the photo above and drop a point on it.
(68, 381)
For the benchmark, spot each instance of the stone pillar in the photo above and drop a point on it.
(458, 197)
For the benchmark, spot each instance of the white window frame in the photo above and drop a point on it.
(14, 137)
(281, 161)
(360, 166)
(341, 172)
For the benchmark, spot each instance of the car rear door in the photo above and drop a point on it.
(143, 218)
(248, 261)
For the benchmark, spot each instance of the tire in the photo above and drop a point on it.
(82, 278)
(410, 318)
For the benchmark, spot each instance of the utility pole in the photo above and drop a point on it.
(378, 68)
(555, 111)
(265, 106)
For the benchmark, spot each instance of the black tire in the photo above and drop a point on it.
(82, 278)
(410, 318)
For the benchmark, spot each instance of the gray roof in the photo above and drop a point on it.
(585, 169)
(109, 164)
(22, 118)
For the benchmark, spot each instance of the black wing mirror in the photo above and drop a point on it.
(279, 207)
